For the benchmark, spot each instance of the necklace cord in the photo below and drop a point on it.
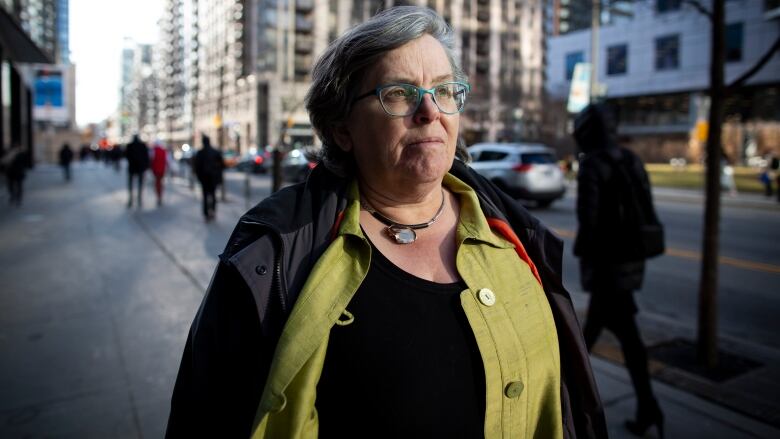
(392, 223)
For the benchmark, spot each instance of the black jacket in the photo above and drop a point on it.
(137, 154)
(262, 270)
(208, 165)
(607, 240)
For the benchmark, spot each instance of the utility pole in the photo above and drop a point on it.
(595, 22)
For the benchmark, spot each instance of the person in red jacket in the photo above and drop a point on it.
(159, 165)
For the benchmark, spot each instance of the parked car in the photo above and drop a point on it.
(230, 158)
(255, 162)
(528, 171)
(296, 165)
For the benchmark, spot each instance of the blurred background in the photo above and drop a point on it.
(96, 299)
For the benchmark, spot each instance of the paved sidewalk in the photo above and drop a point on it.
(97, 299)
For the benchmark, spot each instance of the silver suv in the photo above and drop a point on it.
(528, 171)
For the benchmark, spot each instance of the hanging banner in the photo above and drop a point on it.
(579, 93)
(49, 94)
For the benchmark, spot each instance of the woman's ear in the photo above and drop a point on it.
(342, 136)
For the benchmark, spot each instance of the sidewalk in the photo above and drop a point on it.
(97, 300)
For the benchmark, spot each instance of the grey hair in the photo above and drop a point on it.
(339, 72)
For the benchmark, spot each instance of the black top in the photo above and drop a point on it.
(408, 366)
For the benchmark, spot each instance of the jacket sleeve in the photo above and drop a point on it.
(224, 365)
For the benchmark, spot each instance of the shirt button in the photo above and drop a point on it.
(487, 297)
(514, 389)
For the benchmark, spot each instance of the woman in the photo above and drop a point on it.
(611, 267)
(159, 165)
(395, 293)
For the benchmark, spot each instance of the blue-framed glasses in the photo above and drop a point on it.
(405, 99)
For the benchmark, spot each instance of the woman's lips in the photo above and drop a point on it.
(425, 141)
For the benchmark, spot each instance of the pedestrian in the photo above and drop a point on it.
(208, 165)
(766, 178)
(137, 155)
(66, 157)
(395, 293)
(115, 156)
(610, 179)
(15, 163)
(159, 166)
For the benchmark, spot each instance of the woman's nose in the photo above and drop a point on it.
(427, 112)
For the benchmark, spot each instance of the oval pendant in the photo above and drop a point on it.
(402, 235)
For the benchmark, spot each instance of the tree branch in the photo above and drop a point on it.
(753, 70)
(695, 4)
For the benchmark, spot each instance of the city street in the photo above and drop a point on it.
(97, 300)
(748, 291)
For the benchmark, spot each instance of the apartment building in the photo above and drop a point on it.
(139, 102)
(250, 65)
(655, 68)
(176, 74)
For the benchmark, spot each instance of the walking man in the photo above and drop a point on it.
(66, 157)
(137, 154)
(208, 166)
(15, 163)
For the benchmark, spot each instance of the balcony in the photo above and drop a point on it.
(304, 5)
(303, 24)
(303, 65)
(304, 45)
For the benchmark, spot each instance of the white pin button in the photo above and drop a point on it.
(486, 296)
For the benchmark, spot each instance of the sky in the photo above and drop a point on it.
(97, 32)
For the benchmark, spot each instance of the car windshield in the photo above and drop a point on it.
(538, 158)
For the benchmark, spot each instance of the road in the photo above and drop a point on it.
(749, 299)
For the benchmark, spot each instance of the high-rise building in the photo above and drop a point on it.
(63, 31)
(173, 65)
(253, 60)
(138, 104)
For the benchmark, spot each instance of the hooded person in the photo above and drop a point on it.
(611, 265)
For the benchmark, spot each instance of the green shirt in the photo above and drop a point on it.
(504, 304)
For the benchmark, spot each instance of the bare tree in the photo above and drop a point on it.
(707, 344)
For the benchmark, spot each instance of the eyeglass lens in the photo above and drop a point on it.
(402, 99)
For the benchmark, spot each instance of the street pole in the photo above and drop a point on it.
(595, 21)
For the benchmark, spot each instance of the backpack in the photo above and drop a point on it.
(636, 210)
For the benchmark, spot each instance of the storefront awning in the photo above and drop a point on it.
(16, 44)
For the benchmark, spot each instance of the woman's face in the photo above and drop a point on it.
(395, 152)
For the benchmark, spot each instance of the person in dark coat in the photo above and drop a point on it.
(208, 166)
(15, 163)
(66, 157)
(137, 154)
(395, 292)
(610, 267)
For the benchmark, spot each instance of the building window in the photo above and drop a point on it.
(667, 52)
(571, 60)
(667, 5)
(734, 42)
(617, 59)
